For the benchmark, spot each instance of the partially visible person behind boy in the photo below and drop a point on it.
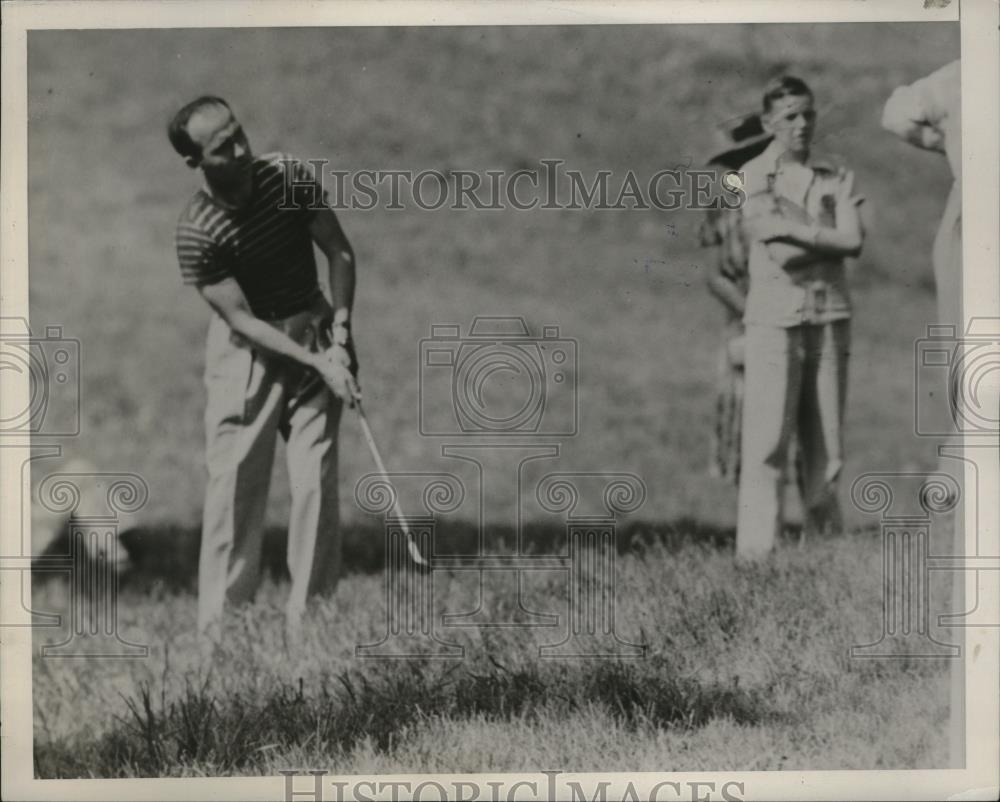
(737, 141)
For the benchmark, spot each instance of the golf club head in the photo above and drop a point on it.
(415, 554)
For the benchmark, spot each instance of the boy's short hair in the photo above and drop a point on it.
(177, 127)
(784, 86)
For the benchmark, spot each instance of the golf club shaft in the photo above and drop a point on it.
(380, 466)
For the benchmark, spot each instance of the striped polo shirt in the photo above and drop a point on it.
(265, 245)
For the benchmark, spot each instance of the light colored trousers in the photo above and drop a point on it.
(249, 404)
(796, 383)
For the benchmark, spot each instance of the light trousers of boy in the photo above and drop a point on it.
(796, 382)
(249, 396)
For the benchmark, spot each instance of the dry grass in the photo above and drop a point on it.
(752, 656)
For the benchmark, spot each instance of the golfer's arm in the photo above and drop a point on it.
(228, 300)
(329, 236)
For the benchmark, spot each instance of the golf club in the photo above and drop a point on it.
(411, 543)
(366, 430)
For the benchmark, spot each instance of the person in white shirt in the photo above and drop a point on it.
(801, 218)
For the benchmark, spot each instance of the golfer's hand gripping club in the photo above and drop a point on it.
(334, 366)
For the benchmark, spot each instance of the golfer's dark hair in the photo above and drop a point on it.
(784, 86)
(177, 127)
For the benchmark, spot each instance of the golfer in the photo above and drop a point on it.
(801, 220)
(245, 241)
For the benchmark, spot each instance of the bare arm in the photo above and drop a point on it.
(329, 236)
(722, 232)
(228, 300)
(724, 289)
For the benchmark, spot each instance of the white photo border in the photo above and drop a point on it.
(981, 212)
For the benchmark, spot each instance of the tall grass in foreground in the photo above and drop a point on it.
(747, 666)
(234, 733)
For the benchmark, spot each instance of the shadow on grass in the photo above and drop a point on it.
(155, 736)
(169, 554)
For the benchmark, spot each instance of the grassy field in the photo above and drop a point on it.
(747, 667)
(746, 662)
